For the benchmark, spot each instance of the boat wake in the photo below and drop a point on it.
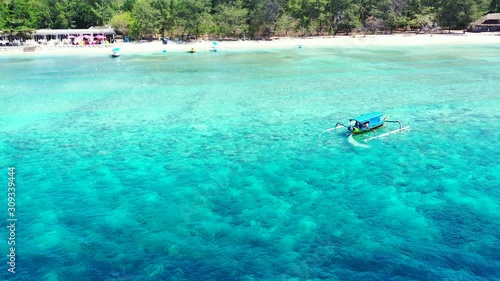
(327, 130)
(389, 133)
(356, 143)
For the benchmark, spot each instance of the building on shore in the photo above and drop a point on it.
(490, 22)
(45, 35)
(60, 34)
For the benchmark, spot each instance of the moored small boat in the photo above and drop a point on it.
(214, 46)
(192, 50)
(115, 52)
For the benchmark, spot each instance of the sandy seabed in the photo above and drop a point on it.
(281, 43)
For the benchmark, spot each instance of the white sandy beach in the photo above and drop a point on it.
(281, 43)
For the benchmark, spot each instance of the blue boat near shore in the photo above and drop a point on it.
(115, 52)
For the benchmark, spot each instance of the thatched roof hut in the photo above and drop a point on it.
(490, 22)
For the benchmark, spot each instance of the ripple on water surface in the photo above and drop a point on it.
(209, 167)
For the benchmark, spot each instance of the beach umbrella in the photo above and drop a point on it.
(116, 50)
(99, 36)
(72, 36)
(87, 36)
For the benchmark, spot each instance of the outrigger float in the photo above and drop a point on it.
(368, 122)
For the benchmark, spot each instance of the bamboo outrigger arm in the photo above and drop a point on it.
(331, 129)
(401, 128)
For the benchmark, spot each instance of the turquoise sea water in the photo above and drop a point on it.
(208, 166)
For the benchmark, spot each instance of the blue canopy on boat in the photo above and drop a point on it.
(116, 49)
(368, 117)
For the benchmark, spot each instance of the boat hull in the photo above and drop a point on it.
(361, 131)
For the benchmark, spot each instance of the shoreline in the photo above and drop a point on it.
(352, 41)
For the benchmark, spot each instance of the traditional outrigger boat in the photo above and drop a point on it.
(368, 122)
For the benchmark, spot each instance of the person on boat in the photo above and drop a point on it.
(367, 124)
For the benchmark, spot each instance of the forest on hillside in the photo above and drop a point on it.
(237, 18)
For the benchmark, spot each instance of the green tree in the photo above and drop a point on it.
(61, 14)
(168, 10)
(146, 19)
(4, 14)
(368, 8)
(263, 15)
(127, 5)
(122, 22)
(286, 23)
(459, 14)
(494, 6)
(307, 13)
(231, 19)
(426, 18)
(194, 16)
(86, 13)
(394, 16)
(23, 16)
(342, 15)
